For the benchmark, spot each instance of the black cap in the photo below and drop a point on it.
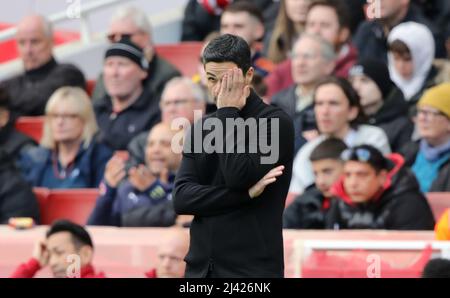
(126, 48)
(377, 71)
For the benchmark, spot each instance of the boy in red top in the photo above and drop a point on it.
(67, 250)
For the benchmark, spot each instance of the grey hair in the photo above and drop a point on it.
(137, 16)
(197, 91)
(326, 49)
(47, 26)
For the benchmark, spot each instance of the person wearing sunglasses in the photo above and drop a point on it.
(131, 23)
(377, 192)
(430, 156)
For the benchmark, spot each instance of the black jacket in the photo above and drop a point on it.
(371, 41)
(117, 130)
(15, 143)
(401, 206)
(160, 72)
(303, 121)
(30, 92)
(233, 235)
(16, 196)
(442, 182)
(393, 119)
(307, 211)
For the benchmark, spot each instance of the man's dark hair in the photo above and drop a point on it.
(367, 154)
(341, 9)
(248, 7)
(351, 95)
(437, 268)
(228, 48)
(4, 99)
(80, 236)
(330, 148)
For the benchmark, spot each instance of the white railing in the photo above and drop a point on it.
(77, 10)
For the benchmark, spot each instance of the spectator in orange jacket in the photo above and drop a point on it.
(442, 228)
(68, 251)
(171, 255)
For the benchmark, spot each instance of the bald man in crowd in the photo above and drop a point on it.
(42, 75)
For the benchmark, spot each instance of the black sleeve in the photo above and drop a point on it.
(243, 170)
(161, 215)
(192, 198)
(410, 212)
(305, 212)
(16, 198)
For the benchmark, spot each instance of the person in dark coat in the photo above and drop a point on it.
(371, 35)
(129, 109)
(140, 196)
(237, 226)
(382, 102)
(133, 23)
(429, 157)
(12, 142)
(308, 210)
(43, 74)
(16, 196)
(376, 192)
(70, 154)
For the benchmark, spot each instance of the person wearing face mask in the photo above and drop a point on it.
(382, 102)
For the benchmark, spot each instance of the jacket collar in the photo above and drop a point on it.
(252, 104)
(41, 70)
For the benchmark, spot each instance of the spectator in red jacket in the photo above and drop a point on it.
(68, 251)
(171, 255)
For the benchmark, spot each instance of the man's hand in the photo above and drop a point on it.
(141, 177)
(257, 189)
(40, 253)
(114, 171)
(232, 91)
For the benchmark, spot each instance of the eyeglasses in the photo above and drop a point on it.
(360, 154)
(429, 114)
(54, 116)
(115, 37)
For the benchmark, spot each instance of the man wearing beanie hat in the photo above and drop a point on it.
(128, 109)
(430, 156)
(382, 101)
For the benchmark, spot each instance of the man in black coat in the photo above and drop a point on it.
(237, 226)
(43, 74)
(377, 193)
(16, 196)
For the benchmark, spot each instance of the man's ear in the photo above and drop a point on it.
(382, 177)
(4, 117)
(353, 114)
(249, 76)
(86, 254)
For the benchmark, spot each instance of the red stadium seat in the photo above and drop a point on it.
(31, 126)
(90, 86)
(184, 55)
(73, 204)
(439, 201)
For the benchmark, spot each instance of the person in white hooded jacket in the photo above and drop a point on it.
(410, 60)
(338, 114)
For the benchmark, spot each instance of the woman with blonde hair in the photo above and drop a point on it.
(290, 23)
(69, 155)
